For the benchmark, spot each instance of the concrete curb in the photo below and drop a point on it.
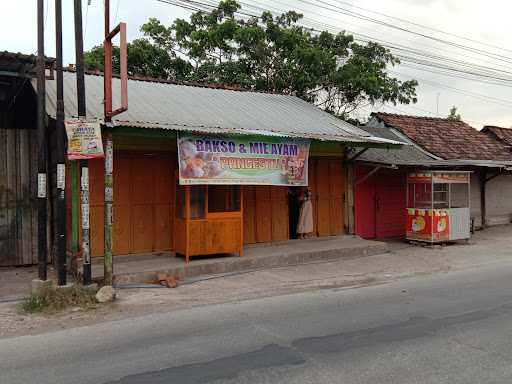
(247, 263)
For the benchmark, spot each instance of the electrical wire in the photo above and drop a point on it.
(117, 11)
(439, 62)
(413, 58)
(424, 26)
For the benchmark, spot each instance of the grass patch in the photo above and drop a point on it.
(51, 299)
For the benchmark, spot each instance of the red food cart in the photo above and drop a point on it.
(438, 206)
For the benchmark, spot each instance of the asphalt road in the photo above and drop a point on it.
(450, 328)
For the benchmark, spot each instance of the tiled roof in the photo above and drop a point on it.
(500, 133)
(449, 139)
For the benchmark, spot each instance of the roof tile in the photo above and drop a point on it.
(449, 139)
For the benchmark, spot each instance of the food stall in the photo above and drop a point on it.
(438, 206)
(209, 196)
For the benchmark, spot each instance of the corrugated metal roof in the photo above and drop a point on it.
(192, 108)
(408, 154)
(20, 63)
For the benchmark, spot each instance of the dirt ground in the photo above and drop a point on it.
(491, 246)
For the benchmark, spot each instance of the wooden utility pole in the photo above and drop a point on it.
(109, 113)
(84, 166)
(42, 214)
(108, 267)
(61, 153)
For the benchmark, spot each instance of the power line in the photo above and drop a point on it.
(425, 27)
(467, 69)
(360, 16)
(117, 10)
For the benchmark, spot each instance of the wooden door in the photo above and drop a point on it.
(390, 204)
(323, 195)
(336, 197)
(142, 204)
(121, 231)
(164, 204)
(249, 214)
(265, 214)
(364, 204)
(279, 216)
(327, 184)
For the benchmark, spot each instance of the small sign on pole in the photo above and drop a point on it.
(84, 139)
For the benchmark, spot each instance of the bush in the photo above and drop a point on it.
(49, 298)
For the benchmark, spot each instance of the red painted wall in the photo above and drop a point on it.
(380, 203)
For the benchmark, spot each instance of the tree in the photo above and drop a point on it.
(454, 116)
(270, 53)
(144, 59)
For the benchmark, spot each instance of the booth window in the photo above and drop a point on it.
(459, 195)
(197, 201)
(441, 196)
(223, 198)
(422, 194)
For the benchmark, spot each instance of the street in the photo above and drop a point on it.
(449, 328)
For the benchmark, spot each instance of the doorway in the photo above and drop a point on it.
(295, 195)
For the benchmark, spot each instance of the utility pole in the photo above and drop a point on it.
(42, 213)
(61, 153)
(84, 166)
(109, 155)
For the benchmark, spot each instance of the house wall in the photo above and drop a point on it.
(18, 182)
(498, 201)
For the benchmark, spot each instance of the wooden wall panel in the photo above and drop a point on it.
(143, 230)
(121, 231)
(263, 214)
(249, 215)
(18, 205)
(163, 227)
(164, 204)
(279, 214)
(337, 201)
(323, 198)
(327, 185)
(144, 204)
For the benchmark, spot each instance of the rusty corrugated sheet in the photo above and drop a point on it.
(205, 109)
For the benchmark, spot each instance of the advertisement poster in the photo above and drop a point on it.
(427, 224)
(84, 139)
(250, 160)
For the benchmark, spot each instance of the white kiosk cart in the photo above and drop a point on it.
(438, 206)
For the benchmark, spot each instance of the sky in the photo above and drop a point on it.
(482, 28)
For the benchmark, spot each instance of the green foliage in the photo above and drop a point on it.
(269, 53)
(48, 298)
(453, 114)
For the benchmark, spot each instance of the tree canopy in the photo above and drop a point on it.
(453, 114)
(268, 53)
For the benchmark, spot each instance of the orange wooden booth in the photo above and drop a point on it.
(209, 220)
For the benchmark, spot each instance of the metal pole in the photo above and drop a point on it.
(109, 160)
(42, 150)
(84, 180)
(61, 153)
